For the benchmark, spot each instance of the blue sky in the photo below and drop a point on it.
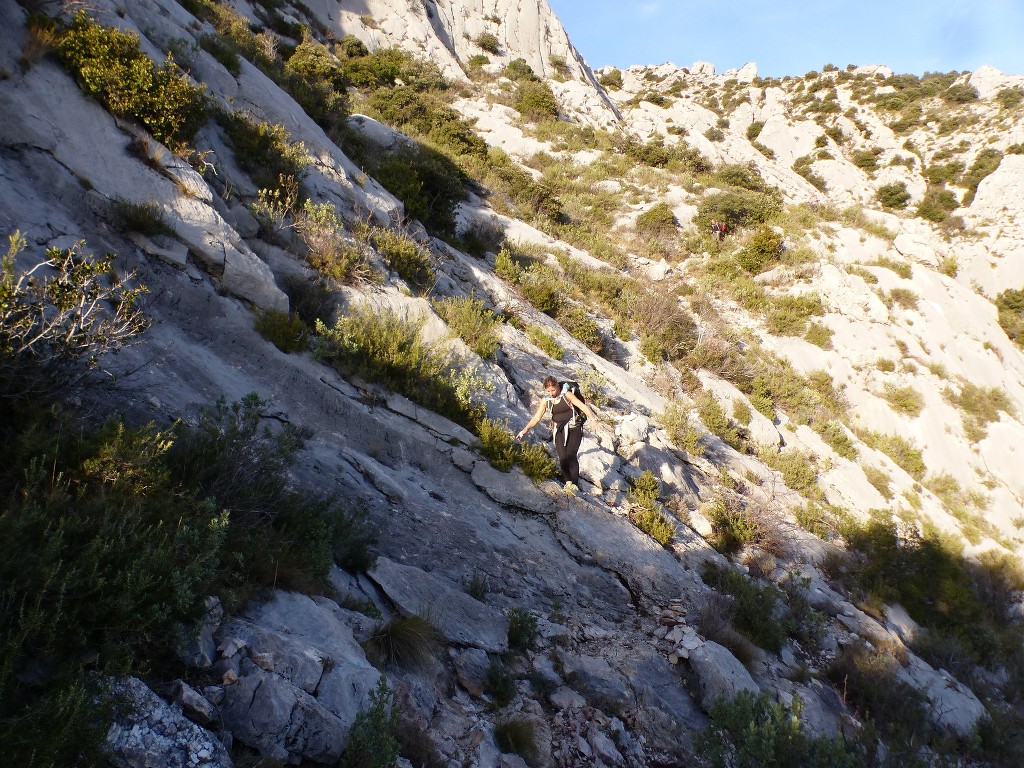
(786, 37)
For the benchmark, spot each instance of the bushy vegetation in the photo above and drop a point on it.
(905, 400)
(751, 732)
(285, 330)
(387, 348)
(471, 321)
(111, 534)
(646, 512)
(404, 255)
(1010, 306)
(108, 64)
(657, 221)
(518, 736)
(762, 250)
(893, 195)
(371, 739)
(264, 151)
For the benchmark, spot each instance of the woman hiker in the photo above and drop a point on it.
(562, 404)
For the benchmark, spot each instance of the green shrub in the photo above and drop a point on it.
(429, 185)
(819, 334)
(797, 468)
(264, 151)
(960, 93)
(405, 256)
(146, 218)
(471, 321)
(578, 324)
(522, 629)
(387, 348)
(985, 163)
(371, 741)
(276, 534)
(737, 208)
(789, 314)
(284, 330)
(733, 526)
(332, 253)
(498, 444)
(904, 453)
(936, 204)
(833, 433)
(544, 342)
(980, 405)
(893, 195)
(101, 554)
(717, 422)
(681, 432)
(866, 159)
(901, 268)
(109, 65)
(534, 100)
(488, 41)
(518, 736)
(880, 480)
(871, 685)
(536, 462)
(1010, 98)
(518, 69)
(1010, 306)
(499, 684)
(751, 732)
(754, 129)
(905, 400)
(903, 297)
(714, 134)
(646, 512)
(657, 221)
(409, 642)
(762, 250)
(612, 79)
(802, 166)
(754, 606)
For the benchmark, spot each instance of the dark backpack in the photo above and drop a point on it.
(578, 416)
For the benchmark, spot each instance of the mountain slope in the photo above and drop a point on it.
(830, 366)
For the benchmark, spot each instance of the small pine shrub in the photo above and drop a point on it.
(578, 324)
(681, 431)
(894, 196)
(646, 512)
(904, 453)
(657, 221)
(754, 606)
(714, 134)
(902, 297)
(545, 343)
(535, 101)
(797, 468)
(738, 208)
(285, 330)
(754, 129)
(905, 400)
(802, 165)
(715, 419)
(387, 348)
(536, 462)
(901, 268)
(750, 732)
(371, 741)
(332, 252)
(264, 151)
(499, 685)
(146, 218)
(471, 321)
(1010, 306)
(497, 444)
(762, 250)
(612, 79)
(488, 41)
(819, 334)
(522, 629)
(937, 204)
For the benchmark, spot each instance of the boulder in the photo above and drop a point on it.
(149, 733)
(719, 674)
(459, 618)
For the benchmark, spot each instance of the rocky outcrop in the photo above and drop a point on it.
(149, 733)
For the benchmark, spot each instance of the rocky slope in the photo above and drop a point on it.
(626, 663)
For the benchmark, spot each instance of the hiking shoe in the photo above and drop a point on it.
(571, 488)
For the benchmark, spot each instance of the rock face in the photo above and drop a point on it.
(150, 733)
(294, 678)
(720, 674)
